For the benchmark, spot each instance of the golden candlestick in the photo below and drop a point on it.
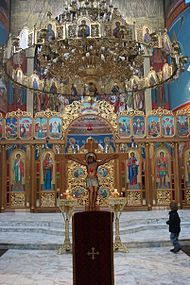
(117, 204)
(66, 207)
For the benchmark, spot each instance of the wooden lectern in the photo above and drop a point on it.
(93, 248)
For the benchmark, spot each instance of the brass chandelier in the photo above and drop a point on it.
(90, 40)
(107, 59)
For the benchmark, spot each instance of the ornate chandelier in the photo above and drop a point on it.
(90, 41)
(100, 57)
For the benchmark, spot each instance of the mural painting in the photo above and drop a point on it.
(17, 171)
(25, 127)
(168, 126)
(47, 172)
(182, 126)
(187, 167)
(55, 129)
(124, 126)
(138, 126)
(11, 128)
(40, 128)
(163, 169)
(153, 126)
(134, 171)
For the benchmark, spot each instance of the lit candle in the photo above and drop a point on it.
(115, 193)
(63, 195)
(67, 194)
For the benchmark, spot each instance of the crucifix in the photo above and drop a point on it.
(92, 161)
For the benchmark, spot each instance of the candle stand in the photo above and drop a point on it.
(117, 204)
(66, 207)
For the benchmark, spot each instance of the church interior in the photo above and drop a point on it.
(107, 79)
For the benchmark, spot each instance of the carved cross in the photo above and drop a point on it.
(93, 253)
(91, 145)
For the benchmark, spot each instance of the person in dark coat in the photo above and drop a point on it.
(174, 226)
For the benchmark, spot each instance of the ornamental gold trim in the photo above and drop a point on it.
(71, 113)
(47, 114)
(80, 182)
(134, 198)
(187, 196)
(132, 113)
(163, 197)
(17, 200)
(185, 111)
(160, 112)
(18, 114)
(104, 110)
(47, 200)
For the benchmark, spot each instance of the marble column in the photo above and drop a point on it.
(176, 174)
(148, 97)
(32, 178)
(30, 69)
(4, 178)
(1, 188)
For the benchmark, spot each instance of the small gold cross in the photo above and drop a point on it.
(93, 253)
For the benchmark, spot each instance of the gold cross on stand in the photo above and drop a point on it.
(93, 253)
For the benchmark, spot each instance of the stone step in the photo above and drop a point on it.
(55, 246)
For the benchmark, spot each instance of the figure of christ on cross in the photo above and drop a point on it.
(92, 183)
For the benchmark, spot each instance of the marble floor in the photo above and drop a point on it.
(32, 241)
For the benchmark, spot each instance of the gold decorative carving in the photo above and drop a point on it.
(132, 113)
(18, 114)
(187, 196)
(75, 181)
(163, 197)
(184, 111)
(47, 114)
(71, 112)
(80, 182)
(160, 112)
(105, 110)
(17, 200)
(134, 198)
(107, 182)
(47, 199)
